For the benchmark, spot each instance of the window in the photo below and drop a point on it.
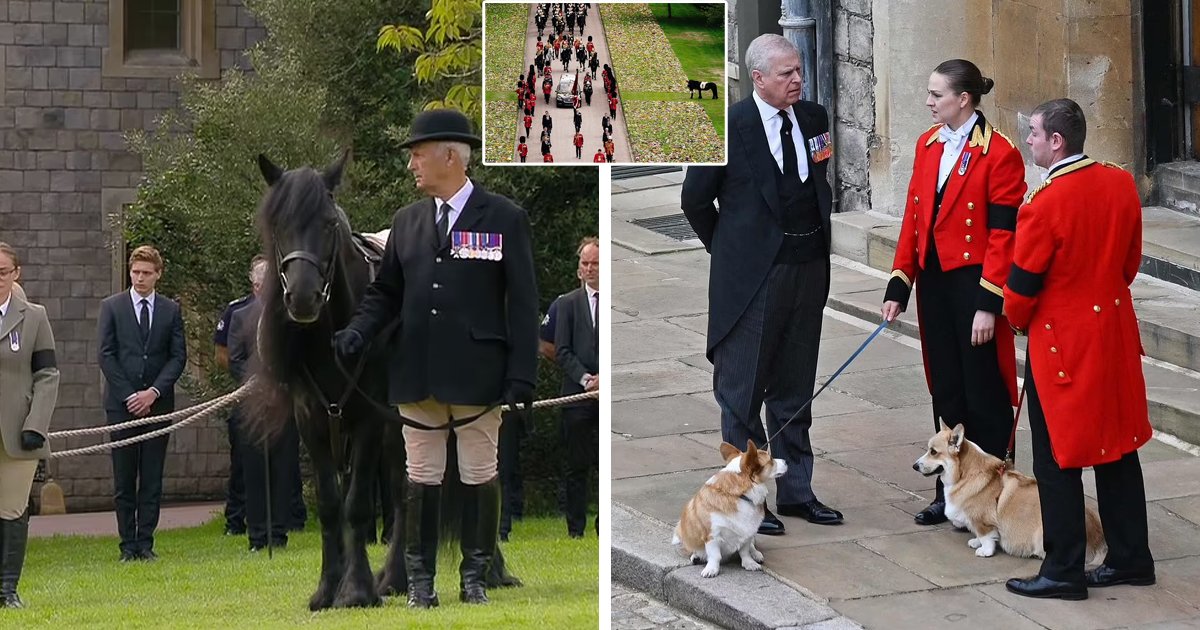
(152, 24)
(161, 39)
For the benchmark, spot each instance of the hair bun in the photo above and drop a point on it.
(988, 84)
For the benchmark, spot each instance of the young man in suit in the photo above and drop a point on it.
(769, 277)
(142, 354)
(576, 341)
(458, 271)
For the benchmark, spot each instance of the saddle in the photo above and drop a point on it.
(370, 246)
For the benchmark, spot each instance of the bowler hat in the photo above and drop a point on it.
(441, 124)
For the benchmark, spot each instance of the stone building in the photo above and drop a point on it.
(74, 76)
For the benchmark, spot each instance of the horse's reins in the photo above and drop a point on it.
(878, 329)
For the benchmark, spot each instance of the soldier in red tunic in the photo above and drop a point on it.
(956, 245)
(599, 157)
(522, 149)
(1079, 245)
(528, 121)
(547, 157)
(578, 145)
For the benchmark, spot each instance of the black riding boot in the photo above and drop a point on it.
(421, 519)
(480, 523)
(15, 534)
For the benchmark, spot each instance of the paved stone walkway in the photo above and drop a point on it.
(879, 569)
(633, 610)
(105, 523)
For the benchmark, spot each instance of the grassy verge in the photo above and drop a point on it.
(663, 126)
(206, 580)
(700, 49)
(499, 139)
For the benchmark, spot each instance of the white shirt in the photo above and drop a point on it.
(137, 305)
(4, 306)
(1062, 162)
(772, 123)
(593, 295)
(457, 202)
(950, 153)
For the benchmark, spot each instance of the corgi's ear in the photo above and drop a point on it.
(956, 437)
(728, 451)
(751, 450)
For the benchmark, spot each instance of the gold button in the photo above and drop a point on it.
(1096, 308)
(1101, 451)
(1047, 326)
(969, 223)
(1062, 374)
(968, 238)
(966, 255)
(970, 205)
(1135, 438)
(1116, 302)
(1053, 349)
(916, 199)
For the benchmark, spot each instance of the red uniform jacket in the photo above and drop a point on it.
(1079, 245)
(547, 158)
(528, 121)
(523, 149)
(578, 139)
(974, 226)
(599, 157)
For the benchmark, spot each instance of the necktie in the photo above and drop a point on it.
(789, 146)
(596, 312)
(443, 224)
(144, 319)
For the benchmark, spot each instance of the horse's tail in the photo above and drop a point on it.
(453, 498)
(713, 88)
(269, 410)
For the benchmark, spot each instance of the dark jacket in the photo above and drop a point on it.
(243, 340)
(466, 324)
(130, 366)
(745, 235)
(575, 340)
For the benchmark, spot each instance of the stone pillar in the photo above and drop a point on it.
(854, 113)
(800, 28)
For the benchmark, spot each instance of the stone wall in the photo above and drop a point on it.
(64, 167)
(854, 130)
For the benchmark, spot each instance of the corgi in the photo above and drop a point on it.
(998, 507)
(725, 514)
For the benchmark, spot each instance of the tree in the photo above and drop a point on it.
(449, 52)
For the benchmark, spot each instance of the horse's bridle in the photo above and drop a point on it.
(324, 269)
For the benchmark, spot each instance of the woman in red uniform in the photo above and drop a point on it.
(956, 245)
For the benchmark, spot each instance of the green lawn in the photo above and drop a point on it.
(206, 580)
(700, 48)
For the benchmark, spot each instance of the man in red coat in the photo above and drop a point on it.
(1078, 248)
(522, 149)
(578, 145)
(547, 157)
(528, 121)
(599, 157)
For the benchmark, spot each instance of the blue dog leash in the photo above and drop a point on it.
(854, 356)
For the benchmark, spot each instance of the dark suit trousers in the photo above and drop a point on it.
(965, 380)
(770, 356)
(508, 452)
(1122, 505)
(581, 439)
(279, 462)
(137, 483)
(235, 492)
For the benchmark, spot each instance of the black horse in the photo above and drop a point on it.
(316, 275)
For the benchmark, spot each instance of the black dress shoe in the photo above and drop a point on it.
(935, 514)
(771, 525)
(148, 554)
(1105, 575)
(129, 556)
(1045, 588)
(813, 511)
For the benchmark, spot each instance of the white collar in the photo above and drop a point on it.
(458, 200)
(1064, 161)
(4, 306)
(590, 291)
(137, 298)
(961, 133)
(768, 111)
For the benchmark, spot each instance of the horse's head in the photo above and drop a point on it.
(302, 229)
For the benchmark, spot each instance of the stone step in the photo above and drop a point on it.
(1166, 314)
(1171, 246)
(1177, 186)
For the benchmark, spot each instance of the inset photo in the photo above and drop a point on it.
(590, 83)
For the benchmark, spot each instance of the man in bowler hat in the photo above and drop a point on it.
(458, 272)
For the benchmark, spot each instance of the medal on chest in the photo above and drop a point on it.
(962, 165)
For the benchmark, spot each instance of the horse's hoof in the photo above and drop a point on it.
(347, 599)
(507, 581)
(320, 600)
(387, 585)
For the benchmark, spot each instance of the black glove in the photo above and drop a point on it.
(347, 343)
(515, 392)
(32, 440)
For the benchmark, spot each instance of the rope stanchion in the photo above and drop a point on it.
(209, 408)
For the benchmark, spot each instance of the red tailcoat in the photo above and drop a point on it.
(1079, 245)
(974, 226)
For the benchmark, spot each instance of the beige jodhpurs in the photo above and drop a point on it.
(426, 450)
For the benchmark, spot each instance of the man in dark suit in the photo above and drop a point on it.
(142, 354)
(769, 277)
(576, 340)
(458, 273)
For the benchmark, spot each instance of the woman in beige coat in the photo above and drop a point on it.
(28, 391)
